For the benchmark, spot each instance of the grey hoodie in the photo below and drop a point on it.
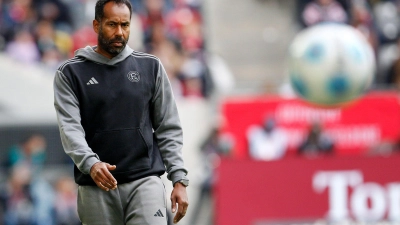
(82, 118)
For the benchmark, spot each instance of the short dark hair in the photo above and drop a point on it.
(99, 10)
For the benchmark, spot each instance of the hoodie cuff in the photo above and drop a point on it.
(88, 164)
(177, 176)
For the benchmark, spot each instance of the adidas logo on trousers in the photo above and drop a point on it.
(159, 214)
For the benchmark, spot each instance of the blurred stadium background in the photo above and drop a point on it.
(226, 61)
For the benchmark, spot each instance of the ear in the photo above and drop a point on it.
(96, 25)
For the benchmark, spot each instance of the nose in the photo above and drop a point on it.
(118, 32)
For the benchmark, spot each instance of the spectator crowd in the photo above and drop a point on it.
(48, 32)
(26, 196)
(377, 20)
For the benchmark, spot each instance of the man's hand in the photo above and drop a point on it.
(100, 173)
(179, 196)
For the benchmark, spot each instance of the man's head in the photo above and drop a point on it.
(34, 143)
(325, 2)
(269, 124)
(112, 24)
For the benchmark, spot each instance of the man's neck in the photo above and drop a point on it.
(104, 53)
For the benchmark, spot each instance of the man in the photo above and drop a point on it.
(119, 123)
(267, 141)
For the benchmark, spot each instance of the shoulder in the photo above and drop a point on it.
(142, 55)
(70, 62)
(254, 130)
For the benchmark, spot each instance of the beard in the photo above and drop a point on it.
(106, 44)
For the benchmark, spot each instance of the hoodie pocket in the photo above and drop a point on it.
(126, 148)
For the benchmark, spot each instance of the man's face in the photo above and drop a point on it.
(113, 29)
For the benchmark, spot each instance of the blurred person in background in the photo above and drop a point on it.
(84, 36)
(54, 45)
(193, 75)
(66, 211)
(386, 16)
(17, 199)
(136, 33)
(184, 23)
(392, 78)
(216, 146)
(268, 141)
(186, 67)
(23, 48)
(316, 143)
(362, 20)
(51, 58)
(385, 148)
(30, 155)
(152, 14)
(31, 151)
(56, 12)
(53, 28)
(16, 15)
(26, 200)
(129, 120)
(175, 36)
(319, 11)
(168, 51)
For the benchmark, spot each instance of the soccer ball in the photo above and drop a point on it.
(330, 64)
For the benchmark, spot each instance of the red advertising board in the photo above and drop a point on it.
(365, 189)
(354, 127)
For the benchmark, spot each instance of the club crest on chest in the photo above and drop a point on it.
(133, 76)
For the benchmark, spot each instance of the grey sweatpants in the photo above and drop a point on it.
(141, 202)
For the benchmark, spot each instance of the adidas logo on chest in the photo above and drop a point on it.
(92, 81)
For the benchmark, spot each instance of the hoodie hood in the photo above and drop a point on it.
(89, 54)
